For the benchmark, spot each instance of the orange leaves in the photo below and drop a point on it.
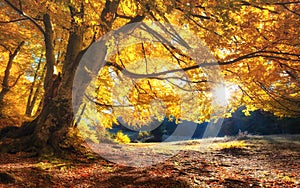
(128, 8)
(231, 29)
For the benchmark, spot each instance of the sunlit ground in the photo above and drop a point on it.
(243, 161)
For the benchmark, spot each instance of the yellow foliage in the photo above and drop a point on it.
(230, 145)
(122, 138)
(259, 42)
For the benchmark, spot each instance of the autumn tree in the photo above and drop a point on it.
(256, 44)
(16, 57)
(5, 83)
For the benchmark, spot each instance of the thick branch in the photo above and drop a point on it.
(6, 48)
(245, 3)
(50, 57)
(195, 15)
(25, 15)
(285, 3)
(204, 64)
(16, 81)
(173, 32)
(292, 11)
(108, 14)
(12, 21)
(276, 100)
(105, 105)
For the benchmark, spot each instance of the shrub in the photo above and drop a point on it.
(143, 134)
(122, 138)
(231, 145)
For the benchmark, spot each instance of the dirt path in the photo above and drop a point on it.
(269, 161)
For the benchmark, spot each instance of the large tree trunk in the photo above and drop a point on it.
(57, 117)
(48, 133)
(52, 124)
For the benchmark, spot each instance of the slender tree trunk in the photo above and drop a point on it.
(33, 94)
(5, 83)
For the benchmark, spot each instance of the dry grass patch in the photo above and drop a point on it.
(230, 145)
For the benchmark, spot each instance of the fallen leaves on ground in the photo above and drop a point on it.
(270, 161)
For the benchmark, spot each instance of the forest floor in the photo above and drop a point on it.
(250, 161)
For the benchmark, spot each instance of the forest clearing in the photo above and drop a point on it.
(251, 161)
(160, 93)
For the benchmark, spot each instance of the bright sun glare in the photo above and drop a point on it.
(223, 93)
